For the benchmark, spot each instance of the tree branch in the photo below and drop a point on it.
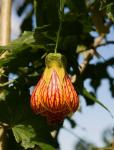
(105, 43)
(90, 53)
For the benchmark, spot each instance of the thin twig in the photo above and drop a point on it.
(90, 53)
(98, 40)
(7, 83)
(106, 43)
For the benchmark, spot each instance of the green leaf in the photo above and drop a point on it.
(24, 134)
(47, 12)
(62, 3)
(81, 48)
(93, 98)
(3, 94)
(33, 130)
(16, 47)
(4, 112)
(45, 146)
(42, 36)
(110, 11)
(28, 136)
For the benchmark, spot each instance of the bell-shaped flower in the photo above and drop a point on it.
(54, 95)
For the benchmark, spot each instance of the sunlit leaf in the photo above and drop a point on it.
(33, 132)
(24, 135)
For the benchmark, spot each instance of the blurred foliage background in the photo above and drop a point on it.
(24, 63)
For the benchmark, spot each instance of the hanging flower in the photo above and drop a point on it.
(54, 95)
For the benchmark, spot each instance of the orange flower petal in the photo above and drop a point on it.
(56, 98)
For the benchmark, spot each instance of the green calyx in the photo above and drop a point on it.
(55, 58)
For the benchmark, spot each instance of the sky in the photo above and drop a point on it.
(93, 120)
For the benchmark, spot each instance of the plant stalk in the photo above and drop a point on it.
(35, 12)
(58, 36)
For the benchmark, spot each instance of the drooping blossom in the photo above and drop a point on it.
(54, 95)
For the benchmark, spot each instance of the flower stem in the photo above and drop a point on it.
(61, 13)
(35, 12)
(58, 35)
